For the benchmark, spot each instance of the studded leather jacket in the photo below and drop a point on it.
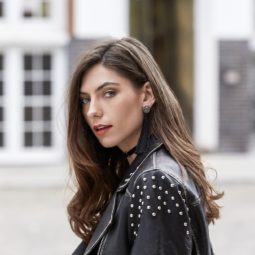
(156, 210)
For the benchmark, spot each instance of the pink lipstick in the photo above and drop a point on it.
(101, 129)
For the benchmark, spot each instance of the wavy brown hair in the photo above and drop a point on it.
(98, 170)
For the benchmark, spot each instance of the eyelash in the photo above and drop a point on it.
(86, 100)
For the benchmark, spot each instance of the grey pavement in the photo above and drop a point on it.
(34, 221)
(33, 218)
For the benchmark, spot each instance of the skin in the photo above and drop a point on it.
(111, 99)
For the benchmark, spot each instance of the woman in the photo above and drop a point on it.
(141, 187)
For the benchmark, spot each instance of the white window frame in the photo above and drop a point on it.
(14, 152)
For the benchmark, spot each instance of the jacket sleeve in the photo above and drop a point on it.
(158, 219)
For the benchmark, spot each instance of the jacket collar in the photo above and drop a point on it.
(136, 164)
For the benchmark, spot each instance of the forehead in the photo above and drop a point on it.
(98, 75)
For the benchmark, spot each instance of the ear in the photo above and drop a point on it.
(148, 96)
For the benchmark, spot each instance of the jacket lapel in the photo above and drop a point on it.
(103, 225)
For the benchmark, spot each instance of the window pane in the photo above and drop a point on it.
(37, 114)
(28, 139)
(37, 88)
(46, 88)
(46, 62)
(28, 90)
(28, 62)
(28, 113)
(36, 8)
(1, 9)
(1, 62)
(1, 88)
(47, 113)
(46, 138)
(45, 9)
(1, 139)
(1, 113)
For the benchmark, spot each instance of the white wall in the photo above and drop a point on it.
(214, 20)
(101, 18)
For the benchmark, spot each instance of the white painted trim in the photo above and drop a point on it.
(206, 119)
(14, 153)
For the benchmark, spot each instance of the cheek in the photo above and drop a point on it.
(129, 113)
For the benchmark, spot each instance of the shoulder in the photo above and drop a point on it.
(161, 169)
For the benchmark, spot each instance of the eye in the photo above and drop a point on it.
(84, 100)
(109, 93)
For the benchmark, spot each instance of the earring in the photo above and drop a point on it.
(146, 109)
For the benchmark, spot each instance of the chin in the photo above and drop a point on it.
(108, 144)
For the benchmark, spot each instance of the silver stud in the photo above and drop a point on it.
(163, 177)
(187, 232)
(153, 177)
(138, 187)
(132, 205)
(148, 207)
(138, 225)
(134, 232)
(148, 197)
(185, 224)
(144, 179)
(154, 186)
(139, 207)
(144, 187)
(159, 207)
(141, 192)
(168, 210)
(166, 191)
(143, 203)
(172, 197)
(177, 205)
(140, 200)
(139, 215)
(159, 197)
(179, 192)
(133, 195)
(131, 215)
(132, 224)
(141, 210)
(172, 185)
(160, 188)
(153, 214)
(164, 203)
(181, 213)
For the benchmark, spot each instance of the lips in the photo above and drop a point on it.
(101, 129)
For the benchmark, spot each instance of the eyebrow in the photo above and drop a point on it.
(102, 86)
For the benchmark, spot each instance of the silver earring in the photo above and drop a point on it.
(146, 109)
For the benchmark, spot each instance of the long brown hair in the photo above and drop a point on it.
(97, 169)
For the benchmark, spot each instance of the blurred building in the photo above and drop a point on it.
(41, 41)
(33, 76)
(224, 99)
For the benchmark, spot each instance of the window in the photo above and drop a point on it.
(36, 8)
(1, 101)
(1, 8)
(37, 112)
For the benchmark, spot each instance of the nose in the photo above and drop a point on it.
(94, 110)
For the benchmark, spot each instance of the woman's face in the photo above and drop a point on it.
(112, 107)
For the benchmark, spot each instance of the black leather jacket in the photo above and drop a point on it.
(156, 210)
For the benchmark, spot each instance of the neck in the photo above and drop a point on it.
(131, 158)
